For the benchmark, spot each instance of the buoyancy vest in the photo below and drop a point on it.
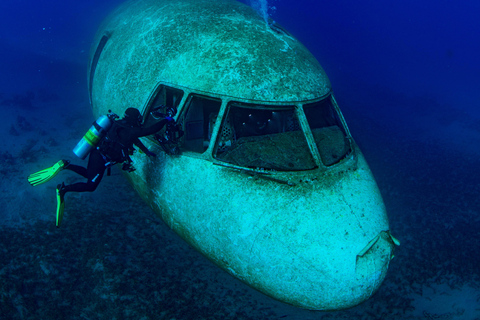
(111, 147)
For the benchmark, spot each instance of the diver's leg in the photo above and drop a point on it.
(77, 169)
(95, 170)
(94, 174)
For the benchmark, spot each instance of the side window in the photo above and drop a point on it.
(198, 122)
(164, 98)
(328, 131)
(95, 59)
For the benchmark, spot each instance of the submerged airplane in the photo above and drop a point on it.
(269, 184)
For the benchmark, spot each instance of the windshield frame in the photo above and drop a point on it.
(226, 101)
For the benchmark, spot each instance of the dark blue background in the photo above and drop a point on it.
(46, 42)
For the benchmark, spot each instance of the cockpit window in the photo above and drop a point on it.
(253, 136)
(198, 122)
(328, 131)
(162, 103)
(167, 97)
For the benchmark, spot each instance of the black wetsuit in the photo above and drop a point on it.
(97, 161)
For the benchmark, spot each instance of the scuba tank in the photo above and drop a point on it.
(94, 135)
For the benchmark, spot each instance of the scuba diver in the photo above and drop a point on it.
(108, 142)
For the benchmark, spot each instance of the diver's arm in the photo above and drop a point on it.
(142, 147)
(154, 128)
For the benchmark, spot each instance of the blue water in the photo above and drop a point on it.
(406, 76)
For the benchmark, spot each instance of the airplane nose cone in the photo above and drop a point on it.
(372, 262)
(329, 249)
(333, 278)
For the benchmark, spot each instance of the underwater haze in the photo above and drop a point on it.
(406, 75)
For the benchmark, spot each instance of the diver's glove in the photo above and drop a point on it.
(150, 154)
(169, 119)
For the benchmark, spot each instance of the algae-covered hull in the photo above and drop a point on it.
(269, 184)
